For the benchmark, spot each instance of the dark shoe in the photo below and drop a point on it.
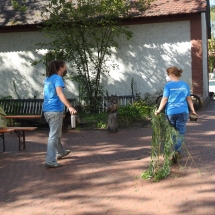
(61, 156)
(52, 165)
(175, 157)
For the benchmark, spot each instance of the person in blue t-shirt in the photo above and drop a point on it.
(53, 107)
(176, 98)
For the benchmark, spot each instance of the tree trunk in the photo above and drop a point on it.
(112, 122)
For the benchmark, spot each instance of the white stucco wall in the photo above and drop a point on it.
(17, 51)
(145, 58)
(153, 48)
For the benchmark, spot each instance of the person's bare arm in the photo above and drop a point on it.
(162, 105)
(190, 103)
(64, 100)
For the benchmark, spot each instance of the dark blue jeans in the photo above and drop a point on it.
(178, 121)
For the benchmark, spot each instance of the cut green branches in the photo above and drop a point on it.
(162, 146)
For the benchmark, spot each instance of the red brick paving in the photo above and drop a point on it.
(102, 174)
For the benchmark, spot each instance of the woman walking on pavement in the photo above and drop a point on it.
(176, 98)
(53, 107)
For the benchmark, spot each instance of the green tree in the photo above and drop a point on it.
(211, 42)
(84, 33)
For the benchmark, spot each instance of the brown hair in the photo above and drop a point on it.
(54, 66)
(175, 71)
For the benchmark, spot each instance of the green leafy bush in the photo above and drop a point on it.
(94, 120)
(136, 112)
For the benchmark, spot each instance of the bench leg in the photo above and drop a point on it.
(2, 136)
(65, 126)
(21, 136)
(11, 122)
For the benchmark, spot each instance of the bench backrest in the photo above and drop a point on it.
(24, 106)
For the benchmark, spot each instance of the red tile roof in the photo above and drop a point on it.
(172, 7)
(9, 16)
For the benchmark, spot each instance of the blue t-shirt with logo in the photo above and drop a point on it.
(52, 102)
(176, 92)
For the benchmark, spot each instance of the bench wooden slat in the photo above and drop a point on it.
(22, 116)
(23, 107)
(22, 128)
(6, 130)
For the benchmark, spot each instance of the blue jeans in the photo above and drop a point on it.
(54, 147)
(178, 121)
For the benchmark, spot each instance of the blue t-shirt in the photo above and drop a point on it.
(176, 92)
(52, 102)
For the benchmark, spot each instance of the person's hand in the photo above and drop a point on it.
(194, 113)
(157, 112)
(72, 110)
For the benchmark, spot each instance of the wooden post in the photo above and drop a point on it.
(112, 122)
(112, 114)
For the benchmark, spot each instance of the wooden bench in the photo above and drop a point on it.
(20, 132)
(28, 112)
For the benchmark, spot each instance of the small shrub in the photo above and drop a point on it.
(136, 112)
(101, 124)
(98, 120)
(150, 99)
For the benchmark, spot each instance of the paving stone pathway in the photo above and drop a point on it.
(102, 174)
